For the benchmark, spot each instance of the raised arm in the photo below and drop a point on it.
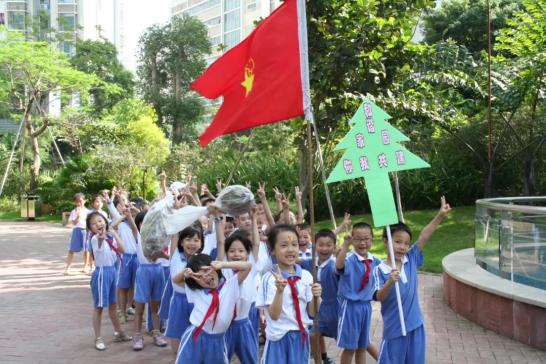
(163, 177)
(275, 308)
(433, 224)
(278, 198)
(265, 204)
(344, 224)
(255, 234)
(243, 268)
(220, 238)
(340, 259)
(131, 221)
(121, 245)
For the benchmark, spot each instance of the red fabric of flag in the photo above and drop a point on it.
(260, 78)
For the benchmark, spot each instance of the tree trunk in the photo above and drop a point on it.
(36, 162)
(489, 181)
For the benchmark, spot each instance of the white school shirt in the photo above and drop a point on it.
(103, 256)
(209, 243)
(201, 299)
(124, 230)
(248, 290)
(83, 216)
(178, 263)
(276, 329)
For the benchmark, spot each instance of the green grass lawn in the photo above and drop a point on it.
(16, 216)
(456, 232)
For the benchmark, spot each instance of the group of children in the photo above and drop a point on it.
(224, 281)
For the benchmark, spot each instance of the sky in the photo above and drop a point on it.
(139, 15)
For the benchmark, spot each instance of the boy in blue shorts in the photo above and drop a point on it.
(327, 277)
(395, 348)
(356, 289)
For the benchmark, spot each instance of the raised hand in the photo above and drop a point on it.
(395, 276)
(261, 190)
(216, 264)
(298, 193)
(280, 282)
(218, 185)
(444, 207)
(278, 194)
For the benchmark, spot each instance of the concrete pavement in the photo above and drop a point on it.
(46, 316)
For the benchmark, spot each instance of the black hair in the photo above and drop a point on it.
(96, 197)
(90, 216)
(205, 199)
(397, 227)
(231, 219)
(362, 225)
(195, 263)
(189, 232)
(241, 235)
(117, 200)
(276, 230)
(139, 203)
(325, 233)
(139, 218)
(303, 226)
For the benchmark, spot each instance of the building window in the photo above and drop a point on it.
(231, 38)
(214, 41)
(2, 20)
(66, 1)
(212, 22)
(202, 7)
(68, 48)
(16, 20)
(67, 22)
(232, 21)
(231, 4)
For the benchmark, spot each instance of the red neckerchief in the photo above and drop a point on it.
(110, 241)
(366, 277)
(213, 310)
(294, 291)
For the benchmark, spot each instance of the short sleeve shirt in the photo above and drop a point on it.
(351, 276)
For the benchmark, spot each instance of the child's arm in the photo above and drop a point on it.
(121, 245)
(433, 224)
(194, 195)
(174, 243)
(181, 277)
(285, 203)
(132, 225)
(255, 234)
(299, 205)
(242, 267)
(383, 292)
(275, 307)
(117, 221)
(163, 177)
(317, 292)
(220, 239)
(265, 203)
(278, 198)
(76, 218)
(342, 254)
(344, 224)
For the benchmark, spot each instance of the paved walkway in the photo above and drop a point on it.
(46, 317)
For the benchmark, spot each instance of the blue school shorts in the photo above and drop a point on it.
(242, 340)
(409, 349)
(289, 349)
(328, 319)
(127, 271)
(149, 283)
(254, 317)
(77, 240)
(207, 349)
(103, 286)
(353, 329)
(167, 294)
(179, 316)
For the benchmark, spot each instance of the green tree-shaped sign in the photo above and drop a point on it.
(372, 150)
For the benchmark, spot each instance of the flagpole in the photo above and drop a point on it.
(396, 286)
(240, 157)
(398, 198)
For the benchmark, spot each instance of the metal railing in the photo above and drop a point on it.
(510, 238)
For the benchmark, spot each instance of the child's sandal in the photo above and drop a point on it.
(122, 336)
(99, 344)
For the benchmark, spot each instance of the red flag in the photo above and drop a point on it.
(260, 79)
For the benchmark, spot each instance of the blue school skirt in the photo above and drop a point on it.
(207, 349)
(179, 316)
(241, 339)
(289, 349)
(103, 286)
(167, 294)
(77, 240)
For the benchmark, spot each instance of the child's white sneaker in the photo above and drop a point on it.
(99, 344)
